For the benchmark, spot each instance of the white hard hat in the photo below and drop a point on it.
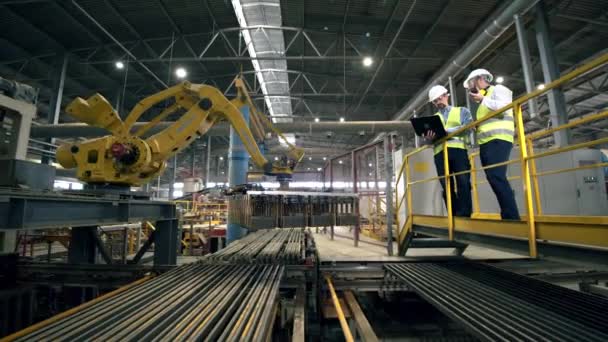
(475, 73)
(436, 91)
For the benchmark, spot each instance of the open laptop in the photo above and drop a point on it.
(424, 124)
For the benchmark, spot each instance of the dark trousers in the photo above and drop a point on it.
(458, 160)
(498, 151)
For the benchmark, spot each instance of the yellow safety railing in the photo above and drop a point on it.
(527, 160)
(195, 206)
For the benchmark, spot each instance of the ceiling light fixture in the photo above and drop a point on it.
(500, 79)
(120, 65)
(181, 73)
(341, 119)
(368, 61)
(541, 87)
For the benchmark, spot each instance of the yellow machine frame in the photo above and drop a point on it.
(128, 158)
(590, 231)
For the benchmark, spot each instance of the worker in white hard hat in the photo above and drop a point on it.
(452, 118)
(495, 136)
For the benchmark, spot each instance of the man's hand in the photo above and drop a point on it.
(429, 135)
(477, 97)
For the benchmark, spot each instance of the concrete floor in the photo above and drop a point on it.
(342, 248)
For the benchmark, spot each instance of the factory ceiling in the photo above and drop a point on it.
(324, 44)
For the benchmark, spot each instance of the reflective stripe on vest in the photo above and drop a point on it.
(453, 121)
(495, 128)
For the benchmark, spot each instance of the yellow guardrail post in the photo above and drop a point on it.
(408, 190)
(474, 184)
(539, 207)
(448, 191)
(397, 206)
(525, 173)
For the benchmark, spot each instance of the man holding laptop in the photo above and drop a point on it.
(452, 119)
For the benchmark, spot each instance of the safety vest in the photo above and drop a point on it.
(453, 121)
(495, 128)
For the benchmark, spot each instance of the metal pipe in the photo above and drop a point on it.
(471, 50)
(75, 130)
(264, 58)
(347, 334)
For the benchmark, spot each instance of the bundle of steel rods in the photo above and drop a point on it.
(284, 246)
(192, 302)
(497, 305)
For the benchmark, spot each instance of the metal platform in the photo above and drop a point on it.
(495, 305)
(565, 239)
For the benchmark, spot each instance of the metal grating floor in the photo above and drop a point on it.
(497, 305)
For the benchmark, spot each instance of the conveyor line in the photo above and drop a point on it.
(496, 305)
(192, 302)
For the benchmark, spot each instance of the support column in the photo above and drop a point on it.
(172, 178)
(158, 187)
(55, 107)
(331, 175)
(8, 241)
(388, 165)
(193, 165)
(453, 99)
(82, 249)
(353, 164)
(557, 102)
(238, 160)
(417, 139)
(208, 163)
(166, 242)
(526, 63)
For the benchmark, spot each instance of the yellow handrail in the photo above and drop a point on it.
(527, 158)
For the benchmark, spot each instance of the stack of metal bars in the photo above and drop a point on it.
(272, 251)
(192, 302)
(498, 305)
(294, 248)
(284, 246)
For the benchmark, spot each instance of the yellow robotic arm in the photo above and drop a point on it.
(127, 158)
